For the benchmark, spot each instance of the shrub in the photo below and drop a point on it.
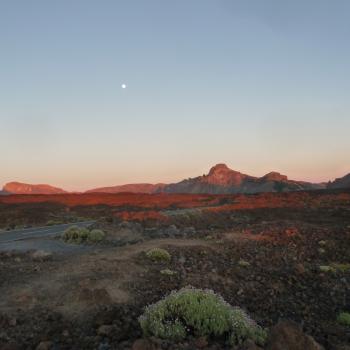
(71, 234)
(167, 272)
(326, 268)
(243, 263)
(321, 250)
(158, 254)
(54, 222)
(75, 234)
(96, 236)
(197, 312)
(344, 318)
(341, 267)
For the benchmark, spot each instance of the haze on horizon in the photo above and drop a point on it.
(260, 86)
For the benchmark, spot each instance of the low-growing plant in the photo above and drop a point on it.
(344, 318)
(341, 267)
(197, 312)
(243, 263)
(78, 235)
(167, 272)
(326, 268)
(71, 234)
(95, 236)
(54, 222)
(158, 254)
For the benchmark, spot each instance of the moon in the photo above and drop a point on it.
(123, 86)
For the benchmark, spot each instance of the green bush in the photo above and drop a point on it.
(158, 254)
(341, 267)
(167, 272)
(96, 236)
(71, 234)
(54, 222)
(197, 312)
(243, 263)
(344, 318)
(326, 268)
(79, 235)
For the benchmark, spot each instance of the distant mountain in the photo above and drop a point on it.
(22, 188)
(134, 188)
(342, 182)
(220, 180)
(223, 180)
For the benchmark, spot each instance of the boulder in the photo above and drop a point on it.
(288, 335)
(105, 330)
(249, 345)
(44, 345)
(41, 255)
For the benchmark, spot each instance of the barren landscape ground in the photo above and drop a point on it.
(279, 256)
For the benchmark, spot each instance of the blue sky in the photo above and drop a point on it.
(259, 85)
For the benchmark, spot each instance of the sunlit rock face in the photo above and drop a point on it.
(22, 188)
(274, 176)
(221, 174)
(223, 180)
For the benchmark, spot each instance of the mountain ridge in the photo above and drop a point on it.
(219, 180)
(15, 187)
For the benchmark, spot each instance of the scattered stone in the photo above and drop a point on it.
(10, 346)
(300, 269)
(144, 344)
(249, 345)
(13, 322)
(105, 330)
(45, 345)
(65, 333)
(41, 255)
(172, 231)
(288, 335)
(201, 342)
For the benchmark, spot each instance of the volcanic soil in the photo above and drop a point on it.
(268, 261)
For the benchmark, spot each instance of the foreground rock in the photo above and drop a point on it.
(288, 335)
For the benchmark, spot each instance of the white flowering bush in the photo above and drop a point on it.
(198, 312)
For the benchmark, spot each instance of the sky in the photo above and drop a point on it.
(258, 85)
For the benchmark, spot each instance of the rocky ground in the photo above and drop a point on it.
(267, 261)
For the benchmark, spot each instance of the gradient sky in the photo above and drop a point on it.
(259, 85)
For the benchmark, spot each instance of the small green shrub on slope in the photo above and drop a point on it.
(158, 254)
(344, 318)
(95, 236)
(79, 235)
(197, 312)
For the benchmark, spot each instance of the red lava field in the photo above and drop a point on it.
(284, 258)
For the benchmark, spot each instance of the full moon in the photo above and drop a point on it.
(123, 86)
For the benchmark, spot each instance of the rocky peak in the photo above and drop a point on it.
(274, 176)
(221, 174)
(22, 188)
(219, 168)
